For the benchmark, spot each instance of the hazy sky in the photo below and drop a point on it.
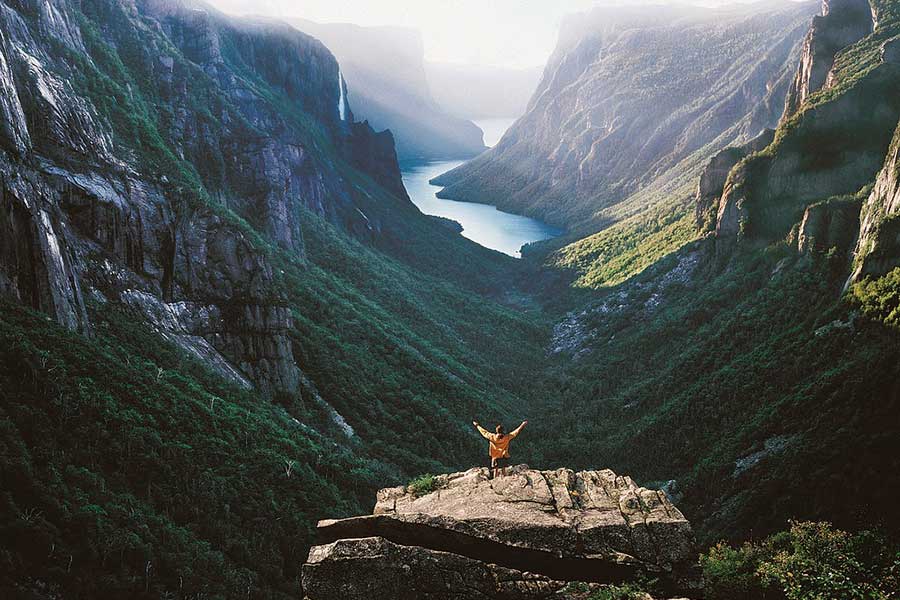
(513, 33)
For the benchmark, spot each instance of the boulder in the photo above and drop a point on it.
(373, 567)
(533, 531)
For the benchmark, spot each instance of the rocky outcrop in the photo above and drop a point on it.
(829, 226)
(878, 249)
(525, 535)
(14, 136)
(163, 210)
(634, 97)
(714, 176)
(373, 152)
(385, 570)
(832, 146)
(38, 268)
(841, 23)
(265, 164)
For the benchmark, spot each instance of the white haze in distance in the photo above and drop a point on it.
(508, 33)
(503, 33)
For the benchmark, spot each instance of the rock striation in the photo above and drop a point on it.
(715, 175)
(829, 226)
(841, 23)
(527, 535)
(878, 248)
(632, 98)
(233, 129)
(833, 136)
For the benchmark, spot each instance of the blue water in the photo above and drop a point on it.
(482, 223)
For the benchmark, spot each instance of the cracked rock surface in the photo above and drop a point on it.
(539, 529)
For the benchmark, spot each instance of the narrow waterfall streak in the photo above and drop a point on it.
(342, 100)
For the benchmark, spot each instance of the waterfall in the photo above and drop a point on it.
(342, 100)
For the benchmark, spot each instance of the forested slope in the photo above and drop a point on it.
(223, 319)
(741, 346)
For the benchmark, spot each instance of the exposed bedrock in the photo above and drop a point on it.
(841, 23)
(714, 176)
(815, 159)
(633, 97)
(878, 248)
(829, 226)
(827, 146)
(89, 215)
(540, 527)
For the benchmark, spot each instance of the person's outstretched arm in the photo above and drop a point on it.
(484, 432)
(518, 429)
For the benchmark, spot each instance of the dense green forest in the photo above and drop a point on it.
(691, 379)
(122, 455)
(129, 468)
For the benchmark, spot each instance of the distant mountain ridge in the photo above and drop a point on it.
(628, 96)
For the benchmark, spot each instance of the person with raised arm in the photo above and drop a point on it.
(499, 446)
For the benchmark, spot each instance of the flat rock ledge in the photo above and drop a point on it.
(527, 536)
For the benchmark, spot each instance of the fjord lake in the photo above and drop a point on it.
(481, 223)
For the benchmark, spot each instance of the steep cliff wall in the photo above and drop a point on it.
(878, 249)
(841, 23)
(835, 132)
(151, 151)
(712, 180)
(629, 94)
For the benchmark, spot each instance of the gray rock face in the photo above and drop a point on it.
(878, 249)
(630, 94)
(267, 166)
(715, 175)
(37, 266)
(83, 214)
(557, 525)
(388, 571)
(14, 134)
(841, 23)
(829, 147)
(829, 225)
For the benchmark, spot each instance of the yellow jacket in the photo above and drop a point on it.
(499, 447)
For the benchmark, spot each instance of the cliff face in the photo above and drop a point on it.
(841, 23)
(835, 132)
(524, 536)
(759, 331)
(629, 94)
(385, 73)
(712, 180)
(139, 141)
(878, 249)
